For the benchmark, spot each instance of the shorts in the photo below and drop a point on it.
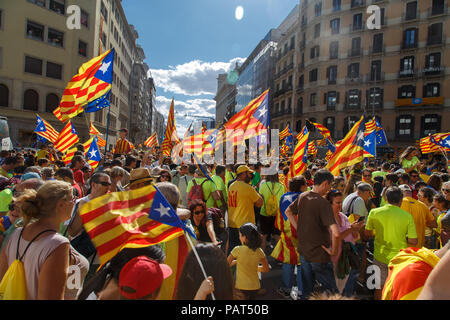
(267, 225)
(384, 271)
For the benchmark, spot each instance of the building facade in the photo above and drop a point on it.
(399, 72)
(158, 124)
(225, 98)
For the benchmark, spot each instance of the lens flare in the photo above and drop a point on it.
(239, 14)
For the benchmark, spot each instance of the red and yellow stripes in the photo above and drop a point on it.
(408, 272)
(323, 130)
(285, 133)
(123, 146)
(50, 134)
(298, 166)
(285, 250)
(66, 138)
(171, 137)
(152, 141)
(120, 220)
(93, 130)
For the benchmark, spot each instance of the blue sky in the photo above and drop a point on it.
(189, 42)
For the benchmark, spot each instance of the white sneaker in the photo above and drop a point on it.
(294, 293)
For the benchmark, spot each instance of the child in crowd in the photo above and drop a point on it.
(247, 258)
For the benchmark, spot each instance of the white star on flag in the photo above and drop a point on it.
(447, 142)
(262, 111)
(367, 143)
(289, 198)
(163, 211)
(93, 153)
(105, 67)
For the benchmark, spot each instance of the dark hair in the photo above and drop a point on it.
(75, 159)
(379, 179)
(10, 160)
(392, 177)
(445, 177)
(116, 162)
(41, 161)
(192, 168)
(80, 147)
(307, 174)
(220, 169)
(64, 173)
(79, 153)
(419, 185)
(164, 171)
(427, 193)
(321, 176)
(385, 166)
(112, 269)
(216, 266)
(286, 170)
(405, 177)
(198, 203)
(273, 178)
(254, 238)
(442, 199)
(413, 171)
(60, 163)
(333, 194)
(96, 177)
(435, 182)
(296, 183)
(20, 169)
(394, 195)
(129, 160)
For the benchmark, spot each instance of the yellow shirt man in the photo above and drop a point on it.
(421, 215)
(241, 199)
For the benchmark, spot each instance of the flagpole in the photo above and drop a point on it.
(199, 261)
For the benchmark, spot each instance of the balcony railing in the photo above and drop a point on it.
(332, 81)
(408, 73)
(408, 46)
(356, 27)
(369, 78)
(357, 4)
(285, 89)
(357, 52)
(331, 107)
(433, 71)
(436, 40)
(281, 113)
(352, 106)
(301, 67)
(410, 17)
(354, 80)
(283, 71)
(300, 88)
(377, 49)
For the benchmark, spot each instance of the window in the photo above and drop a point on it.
(317, 31)
(331, 100)
(54, 70)
(357, 3)
(329, 122)
(349, 122)
(356, 47)
(298, 126)
(433, 63)
(35, 31)
(435, 34)
(300, 106)
(33, 65)
(431, 124)
(432, 90)
(407, 66)
(354, 99)
(336, 5)
(315, 52)
(57, 6)
(82, 48)
(405, 126)
(84, 19)
(318, 9)
(301, 81)
(374, 98)
(357, 22)
(313, 75)
(332, 74)
(31, 100)
(377, 43)
(55, 38)
(104, 11)
(407, 92)
(4, 96)
(375, 70)
(99, 116)
(411, 10)
(313, 99)
(437, 7)
(353, 70)
(410, 37)
(335, 26)
(334, 49)
(104, 39)
(40, 3)
(51, 102)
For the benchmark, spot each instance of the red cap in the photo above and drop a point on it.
(143, 275)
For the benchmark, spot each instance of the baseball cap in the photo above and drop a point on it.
(30, 175)
(405, 187)
(143, 276)
(242, 169)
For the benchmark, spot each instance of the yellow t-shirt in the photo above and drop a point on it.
(241, 199)
(247, 262)
(42, 154)
(4, 173)
(421, 215)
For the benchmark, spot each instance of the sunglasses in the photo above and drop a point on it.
(104, 183)
(165, 176)
(414, 176)
(198, 212)
(446, 190)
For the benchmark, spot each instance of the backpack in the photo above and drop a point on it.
(14, 285)
(218, 220)
(196, 192)
(272, 205)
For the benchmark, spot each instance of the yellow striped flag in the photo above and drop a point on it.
(152, 141)
(93, 130)
(370, 126)
(251, 121)
(101, 143)
(312, 147)
(408, 271)
(171, 137)
(299, 161)
(45, 130)
(323, 130)
(90, 87)
(286, 132)
(350, 150)
(67, 138)
(67, 158)
(130, 219)
(427, 145)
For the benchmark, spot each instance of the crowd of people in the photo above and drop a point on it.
(323, 230)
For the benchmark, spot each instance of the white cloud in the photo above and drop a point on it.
(193, 78)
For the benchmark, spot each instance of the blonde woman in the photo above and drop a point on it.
(46, 260)
(117, 174)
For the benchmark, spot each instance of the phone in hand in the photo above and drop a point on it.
(361, 219)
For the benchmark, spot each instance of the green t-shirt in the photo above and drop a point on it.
(391, 225)
(266, 190)
(379, 174)
(208, 187)
(406, 164)
(220, 185)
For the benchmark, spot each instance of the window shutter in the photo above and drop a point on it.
(325, 98)
(337, 97)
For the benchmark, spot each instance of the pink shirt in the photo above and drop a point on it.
(343, 225)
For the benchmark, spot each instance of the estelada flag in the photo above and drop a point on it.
(67, 138)
(93, 153)
(45, 130)
(67, 158)
(299, 161)
(130, 219)
(408, 271)
(88, 90)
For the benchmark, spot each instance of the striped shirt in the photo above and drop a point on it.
(122, 146)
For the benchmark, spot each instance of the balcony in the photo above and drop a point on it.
(354, 80)
(410, 17)
(355, 4)
(370, 79)
(355, 52)
(408, 73)
(434, 71)
(302, 44)
(287, 88)
(301, 67)
(281, 113)
(331, 107)
(408, 46)
(285, 70)
(356, 27)
(300, 88)
(332, 81)
(352, 106)
(437, 11)
(438, 40)
(377, 50)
